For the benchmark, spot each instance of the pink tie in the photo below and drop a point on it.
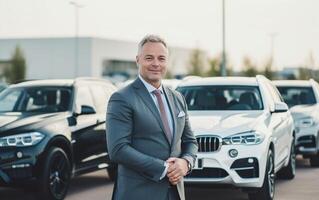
(163, 114)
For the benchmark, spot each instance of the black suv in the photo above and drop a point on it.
(51, 130)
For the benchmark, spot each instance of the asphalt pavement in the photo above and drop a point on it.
(96, 186)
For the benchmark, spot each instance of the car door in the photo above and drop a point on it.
(84, 132)
(101, 94)
(282, 127)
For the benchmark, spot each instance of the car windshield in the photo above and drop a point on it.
(297, 95)
(222, 97)
(35, 99)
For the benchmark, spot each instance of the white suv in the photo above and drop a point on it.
(303, 99)
(245, 133)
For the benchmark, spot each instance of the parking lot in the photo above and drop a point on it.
(96, 186)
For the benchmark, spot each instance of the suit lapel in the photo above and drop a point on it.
(170, 100)
(148, 101)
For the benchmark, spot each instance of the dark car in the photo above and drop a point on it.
(52, 130)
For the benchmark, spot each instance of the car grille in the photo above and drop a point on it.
(208, 143)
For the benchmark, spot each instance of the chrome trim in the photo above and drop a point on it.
(243, 168)
(103, 165)
(214, 143)
(94, 157)
(305, 141)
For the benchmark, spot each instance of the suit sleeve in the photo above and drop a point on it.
(119, 126)
(189, 143)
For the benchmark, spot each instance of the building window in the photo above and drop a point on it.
(119, 67)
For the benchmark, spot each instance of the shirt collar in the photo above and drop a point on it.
(150, 88)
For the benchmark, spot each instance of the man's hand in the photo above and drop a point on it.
(178, 168)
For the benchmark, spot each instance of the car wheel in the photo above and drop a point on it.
(112, 172)
(289, 171)
(267, 191)
(56, 175)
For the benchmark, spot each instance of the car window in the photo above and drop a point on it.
(101, 96)
(84, 97)
(222, 97)
(297, 95)
(8, 100)
(35, 99)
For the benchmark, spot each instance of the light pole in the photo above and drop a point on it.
(76, 43)
(272, 46)
(223, 64)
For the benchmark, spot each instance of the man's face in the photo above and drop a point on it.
(152, 62)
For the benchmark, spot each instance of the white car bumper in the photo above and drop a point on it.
(306, 139)
(219, 168)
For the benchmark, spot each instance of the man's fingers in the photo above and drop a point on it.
(175, 180)
(171, 168)
(176, 167)
(174, 183)
(171, 159)
(174, 173)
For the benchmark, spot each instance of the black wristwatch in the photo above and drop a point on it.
(189, 165)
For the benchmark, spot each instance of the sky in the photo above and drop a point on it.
(253, 27)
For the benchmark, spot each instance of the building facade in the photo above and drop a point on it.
(84, 56)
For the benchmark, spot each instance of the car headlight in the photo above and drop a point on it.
(248, 138)
(21, 140)
(305, 122)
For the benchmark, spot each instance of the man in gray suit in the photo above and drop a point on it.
(148, 132)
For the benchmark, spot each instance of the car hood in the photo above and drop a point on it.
(16, 120)
(224, 123)
(302, 111)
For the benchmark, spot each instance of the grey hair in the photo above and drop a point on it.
(151, 38)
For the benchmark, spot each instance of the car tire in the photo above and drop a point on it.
(56, 175)
(289, 171)
(112, 172)
(267, 191)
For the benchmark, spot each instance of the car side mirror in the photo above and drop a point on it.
(280, 107)
(87, 110)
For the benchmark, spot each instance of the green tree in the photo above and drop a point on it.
(250, 69)
(214, 66)
(304, 73)
(268, 69)
(17, 70)
(197, 61)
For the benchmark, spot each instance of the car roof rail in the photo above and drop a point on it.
(259, 76)
(91, 79)
(186, 78)
(25, 80)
